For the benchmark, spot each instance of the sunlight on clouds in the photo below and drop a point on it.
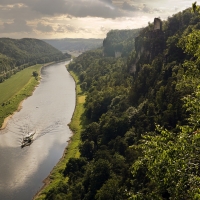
(81, 18)
(101, 26)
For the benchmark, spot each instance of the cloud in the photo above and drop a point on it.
(80, 18)
(104, 29)
(129, 7)
(146, 9)
(44, 28)
(48, 7)
(11, 12)
(66, 29)
(19, 25)
(75, 8)
(107, 1)
(35, 9)
(9, 2)
(96, 9)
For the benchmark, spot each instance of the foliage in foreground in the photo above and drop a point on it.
(169, 165)
(142, 136)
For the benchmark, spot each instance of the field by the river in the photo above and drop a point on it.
(16, 89)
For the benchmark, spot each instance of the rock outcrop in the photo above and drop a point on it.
(148, 44)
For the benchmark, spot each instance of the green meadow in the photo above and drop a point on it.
(16, 89)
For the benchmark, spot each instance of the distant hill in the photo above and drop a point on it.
(18, 54)
(74, 45)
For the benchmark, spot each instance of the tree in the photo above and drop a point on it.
(74, 165)
(170, 160)
(100, 174)
(35, 74)
(110, 190)
(87, 149)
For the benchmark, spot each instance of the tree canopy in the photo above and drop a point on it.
(142, 138)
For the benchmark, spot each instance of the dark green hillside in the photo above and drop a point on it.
(142, 137)
(5, 63)
(18, 54)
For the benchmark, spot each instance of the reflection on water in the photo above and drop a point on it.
(48, 111)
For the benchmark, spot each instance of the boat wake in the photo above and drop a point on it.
(28, 139)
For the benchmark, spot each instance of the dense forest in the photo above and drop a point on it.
(75, 44)
(142, 134)
(15, 55)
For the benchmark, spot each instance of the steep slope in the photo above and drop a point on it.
(141, 140)
(153, 41)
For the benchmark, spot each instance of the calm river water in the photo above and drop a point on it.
(48, 111)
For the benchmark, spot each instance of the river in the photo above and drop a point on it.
(48, 112)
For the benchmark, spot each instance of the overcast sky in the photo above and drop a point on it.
(80, 18)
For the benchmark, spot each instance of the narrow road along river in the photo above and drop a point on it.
(48, 111)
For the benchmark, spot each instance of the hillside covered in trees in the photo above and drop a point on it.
(142, 134)
(18, 54)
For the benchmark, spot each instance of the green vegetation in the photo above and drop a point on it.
(16, 89)
(56, 179)
(35, 74)
(16, 55)
(76, 125)
(141, 135)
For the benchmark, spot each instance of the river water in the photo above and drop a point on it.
(48, 112)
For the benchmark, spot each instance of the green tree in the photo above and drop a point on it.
(35, 74)
(110, 190)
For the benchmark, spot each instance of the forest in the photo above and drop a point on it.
(141, 136)
(16, 55)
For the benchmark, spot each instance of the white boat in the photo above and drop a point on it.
(28, 139)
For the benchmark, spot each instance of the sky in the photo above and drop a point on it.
(46, 19)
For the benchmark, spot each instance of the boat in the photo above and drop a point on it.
(28, 139)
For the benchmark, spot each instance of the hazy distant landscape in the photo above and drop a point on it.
(74, 45)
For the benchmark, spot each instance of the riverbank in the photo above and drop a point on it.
(15, 90)
(7, 118)
(72, 151)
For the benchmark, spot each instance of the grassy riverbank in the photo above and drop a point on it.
(56, 176)
(15, 89)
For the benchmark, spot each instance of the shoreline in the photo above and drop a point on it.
(70, 150)
(10, 116)
(5, 122)
(47, 180)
